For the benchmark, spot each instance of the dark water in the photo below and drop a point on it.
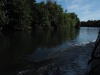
(28, 50)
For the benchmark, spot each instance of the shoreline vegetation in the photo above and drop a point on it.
(30, 15)
(90, 23)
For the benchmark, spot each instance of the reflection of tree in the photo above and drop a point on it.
(53, 38)
(14, 46)
(3, 42)
(26, 41)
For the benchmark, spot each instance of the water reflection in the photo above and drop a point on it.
(50, 45)
(19, 49)
(14, 46)
(87, 34)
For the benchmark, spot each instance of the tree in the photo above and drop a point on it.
(3, 17)
(19, 14)
(91, 23)
(26, 14)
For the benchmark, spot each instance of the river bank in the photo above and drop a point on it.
(71, 61)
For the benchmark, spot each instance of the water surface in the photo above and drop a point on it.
(18, 49)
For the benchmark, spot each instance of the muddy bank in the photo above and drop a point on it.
(71, 61)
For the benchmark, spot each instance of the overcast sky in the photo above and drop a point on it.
(85, 9)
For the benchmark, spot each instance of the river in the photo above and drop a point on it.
(26, 51)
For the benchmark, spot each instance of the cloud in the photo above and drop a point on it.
(91, 15)
(85, 9)
(72, 7)
(78, 5)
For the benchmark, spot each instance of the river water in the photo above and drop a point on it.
(22, 52)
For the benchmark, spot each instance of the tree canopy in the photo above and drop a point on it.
(90, 23)
(27, 14)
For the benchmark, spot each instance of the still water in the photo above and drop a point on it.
(21, 49)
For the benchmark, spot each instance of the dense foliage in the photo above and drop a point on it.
(27, 14)
(91, 23)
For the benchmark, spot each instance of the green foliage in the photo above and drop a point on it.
(40, 18)
(19, 14)
(73, 20)
(26, 14)
(24, 11)
(3, 17)
(55, 14)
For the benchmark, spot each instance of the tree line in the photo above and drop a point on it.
(90, 23)
(27, 14)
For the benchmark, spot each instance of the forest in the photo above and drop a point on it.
(28, 14)
(90, 23)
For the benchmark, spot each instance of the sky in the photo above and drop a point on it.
(85, 9)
